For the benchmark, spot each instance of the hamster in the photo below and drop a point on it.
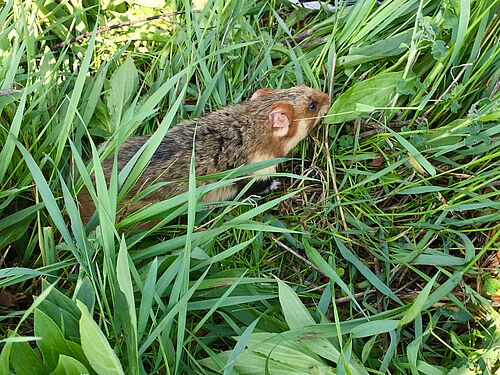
(267, 126)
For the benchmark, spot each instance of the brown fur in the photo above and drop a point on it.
(235, 135)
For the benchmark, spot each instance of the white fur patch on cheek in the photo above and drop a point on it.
(280, 132)
(299, 135)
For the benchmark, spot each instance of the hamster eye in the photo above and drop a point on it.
(312, 106)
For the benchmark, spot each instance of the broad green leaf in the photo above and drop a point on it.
(15, 232)
(52, 342)
(367, 348)
(5, 358)
(238, 348)
(373, 92)
(95, 346)
(428, 369)
(69, 366)
(254, 363)
(391, 46)
(437, 258)
(61, 301)
(84, 292)
(439, 49)
(62, 318)
(296, 314)
(129, 320)
(26, 361)
(123, 85)
(92, 94)
(294, 353)
(360, 107)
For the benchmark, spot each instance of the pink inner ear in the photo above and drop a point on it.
(255, 96)
(260, 93)
(279, 119)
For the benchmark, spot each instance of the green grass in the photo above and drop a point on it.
(379, 256)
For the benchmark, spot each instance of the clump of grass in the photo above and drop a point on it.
(379, 256)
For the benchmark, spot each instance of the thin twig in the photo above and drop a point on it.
(332, 76)
(491, 32)
(282, 245)
(9, 92)
(356, 296)
(105, 29)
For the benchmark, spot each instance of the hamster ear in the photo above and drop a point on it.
(261, 93)
(281, 117)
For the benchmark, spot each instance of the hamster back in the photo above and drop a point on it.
(265, 127)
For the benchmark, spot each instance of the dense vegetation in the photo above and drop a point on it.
(379, 255)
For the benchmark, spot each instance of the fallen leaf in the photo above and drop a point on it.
(378, 160)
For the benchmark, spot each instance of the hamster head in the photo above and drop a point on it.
(290, 114)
